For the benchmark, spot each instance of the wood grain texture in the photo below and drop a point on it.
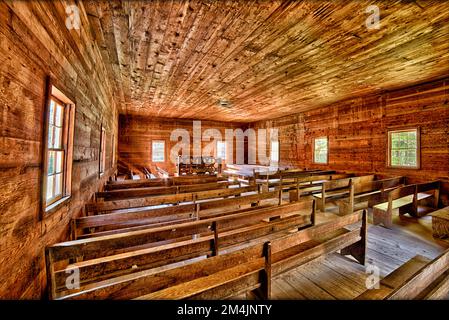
(357, 130)
(34, 44)
(137, 133)
(177, 58)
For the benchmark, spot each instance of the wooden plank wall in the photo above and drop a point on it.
(357, 130)
(34, 44)
(138, 132)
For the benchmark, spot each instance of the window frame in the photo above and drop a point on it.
(102, 152)
(68, 125)
(63, 149)
(390, 131)
(152, 151)
(314, 150)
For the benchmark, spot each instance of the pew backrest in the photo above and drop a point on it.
(98, 258)
(150, 201)
(226, 275)
(120, 221)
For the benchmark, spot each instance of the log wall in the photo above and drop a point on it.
(357, 131)
(138, 132)
(35, 44)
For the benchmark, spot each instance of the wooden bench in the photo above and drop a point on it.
(420, 278)
(113, 258)
(440, 223)
(161, 182)
(363, 194)
(406, 199)
(153, 191)
(151, 201)
(127, 219)
(310, 184)
(281, 178)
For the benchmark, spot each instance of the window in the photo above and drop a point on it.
(274, 152)
(158, 151)
(102, 156)
(113, 151)
(403, 146)
(320, 153)
(57, 160)
(221, 150)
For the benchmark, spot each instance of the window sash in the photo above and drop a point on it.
(158, 151)
(403, 148)
(102, 154)
(274, 156)
(56, 174)
(320, 152)
(221, 150)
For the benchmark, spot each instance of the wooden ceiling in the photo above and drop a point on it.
(268, 58)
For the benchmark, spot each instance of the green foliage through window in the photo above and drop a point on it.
(404, 148)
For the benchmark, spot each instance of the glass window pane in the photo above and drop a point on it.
(58, 138)
(320, 150)
(51, 162)
(59, 161)
(158, 151)
(404, 148)
(275, 151)
(50, 136)
(221, 150)
(58, 185)
(50, 180)
(59, 115)
(52, 112)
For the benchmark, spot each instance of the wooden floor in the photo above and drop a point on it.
(339, 277)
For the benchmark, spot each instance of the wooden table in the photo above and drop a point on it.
(440, 223)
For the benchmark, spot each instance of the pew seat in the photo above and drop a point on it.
(419, 278)
(407, 199)
(440, 223)
(243, 270)
(368, 194)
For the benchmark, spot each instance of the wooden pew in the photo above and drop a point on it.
(126, 220)
(153, 191)
(341, 188)
(249, 269)
(151, 201)
(425, 192)
(310, 184)
(161, 182)
(420, 278)
(281, 178)
(406, 199)
(102, 258)
(364, 194)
